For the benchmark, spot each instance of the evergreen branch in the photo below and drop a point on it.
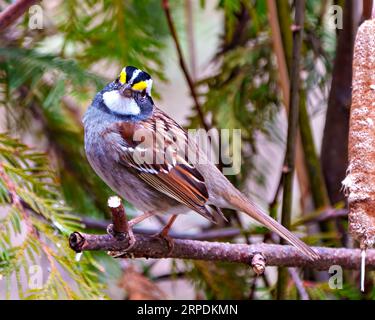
(16, 200)
(275, 255)
(39, 218)
(13, 12)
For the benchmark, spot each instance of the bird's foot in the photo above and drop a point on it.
(165, 237)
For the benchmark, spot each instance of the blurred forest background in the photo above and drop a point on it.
(237, 54)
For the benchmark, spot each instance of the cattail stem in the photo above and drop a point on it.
(360, 181)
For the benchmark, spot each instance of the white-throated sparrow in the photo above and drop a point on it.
(143, 155)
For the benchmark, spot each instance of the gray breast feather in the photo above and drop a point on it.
(103, 153)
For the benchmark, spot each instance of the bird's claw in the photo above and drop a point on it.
(131, 240)
(166, 238)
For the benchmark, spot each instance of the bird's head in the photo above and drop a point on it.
(130, 93)
(133, 81)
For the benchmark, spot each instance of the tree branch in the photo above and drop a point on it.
(13, 12)
(258, 256)
(275, 255)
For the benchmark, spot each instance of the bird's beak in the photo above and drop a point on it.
(126, 91)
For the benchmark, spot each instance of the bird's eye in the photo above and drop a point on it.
(143, 93)
(117, 80)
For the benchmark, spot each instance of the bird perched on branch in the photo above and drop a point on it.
(145, 157)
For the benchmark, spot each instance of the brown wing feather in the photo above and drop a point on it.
(173, 176)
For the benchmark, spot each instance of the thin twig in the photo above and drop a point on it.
(275, 255)
(189, 80)
(283, 73)
(191, 38)
(290, 153)
(299, 284)
(13, 12)
(279, 51)
(326, 215)
(253, 288)
(293, 115)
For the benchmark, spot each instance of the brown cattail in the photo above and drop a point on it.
(360, 181)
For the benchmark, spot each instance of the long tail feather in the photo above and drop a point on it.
(256, 213)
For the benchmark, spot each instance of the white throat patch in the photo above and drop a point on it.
(117, 103)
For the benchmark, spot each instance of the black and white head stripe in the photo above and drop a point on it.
(129, 71)
(140, 76)
(138, 79)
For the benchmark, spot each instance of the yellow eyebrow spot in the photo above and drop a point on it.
(140, 86)
(122, 77)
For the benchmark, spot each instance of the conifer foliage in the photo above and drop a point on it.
(34, 254)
